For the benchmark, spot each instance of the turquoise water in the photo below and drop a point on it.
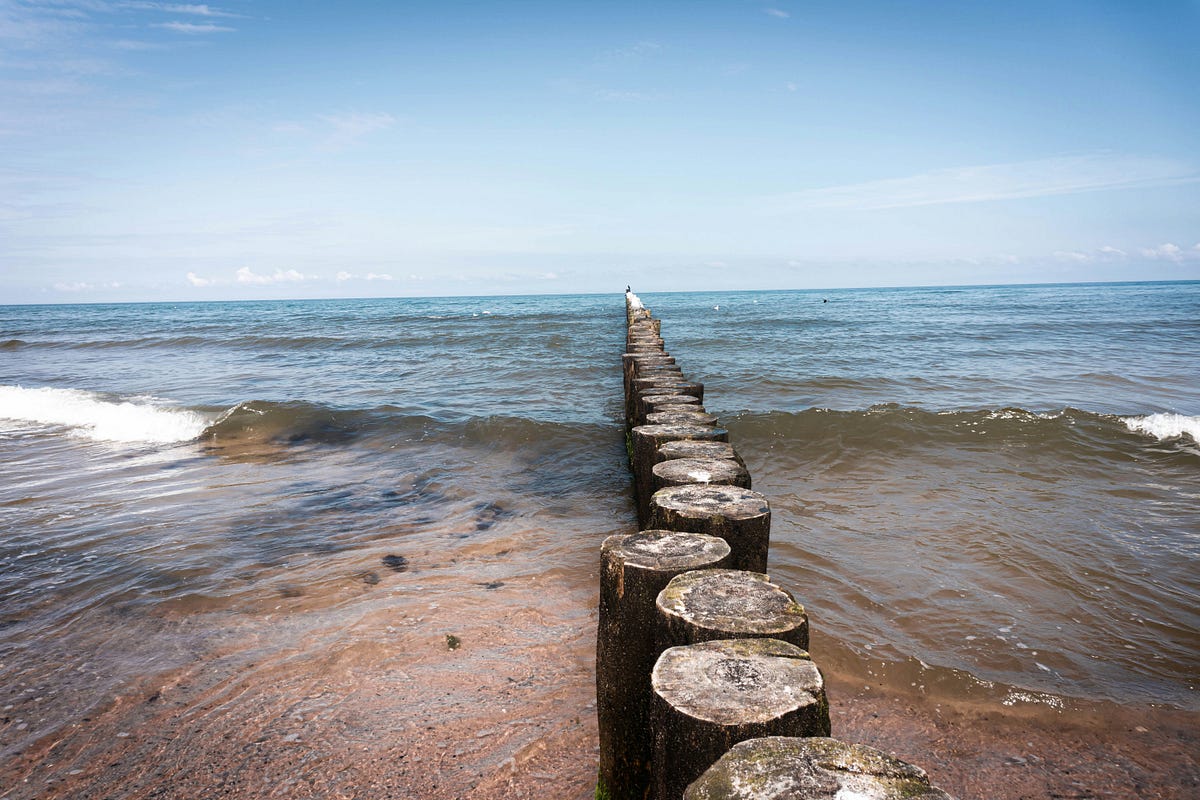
(989, 492)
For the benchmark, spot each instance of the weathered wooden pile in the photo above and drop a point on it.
(704, 684)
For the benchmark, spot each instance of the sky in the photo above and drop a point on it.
(248, 150)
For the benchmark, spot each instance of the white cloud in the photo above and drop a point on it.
(1109, 250)
(196, 280)
(344, 276)
(550, 276)
(1164, 252)
(379, 276)
(791, 86)
(1072, 255)
(1023, 179)
(779, 13)
(247, 275)
(193, 28)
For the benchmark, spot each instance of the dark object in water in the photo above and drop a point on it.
(370, 578)
(489, 514)
(395, 563)
(453, 642)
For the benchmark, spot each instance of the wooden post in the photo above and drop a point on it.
(644, 443)
(739, 516)
(676, 385)
(682, 471)
(682, 417)
(634, 570)
(652, 401)
(707, 697)
(810, 768)
(707, 604)
(687, 448)
(658, 385)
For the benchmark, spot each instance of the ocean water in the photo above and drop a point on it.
(989, 494)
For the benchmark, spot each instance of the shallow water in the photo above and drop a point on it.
(979, 494)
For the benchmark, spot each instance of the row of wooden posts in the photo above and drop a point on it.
(704, 685)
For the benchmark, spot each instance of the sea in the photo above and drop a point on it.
(982, 494)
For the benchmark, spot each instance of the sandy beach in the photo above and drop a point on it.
(382, 707)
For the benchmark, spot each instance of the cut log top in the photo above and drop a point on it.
(737, 681)
(746, 603)
(692, 417)
(682, 432)
(810, 768)
(670, 399)
(680, 471)
(705, 500)
(687, 448)
(665, 551)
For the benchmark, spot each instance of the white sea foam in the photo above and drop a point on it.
(92, 416)
(1165, 426)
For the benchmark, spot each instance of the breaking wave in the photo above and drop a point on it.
(99, 417)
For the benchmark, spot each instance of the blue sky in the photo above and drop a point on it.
(267, 149)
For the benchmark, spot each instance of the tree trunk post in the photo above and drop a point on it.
(684, 471)
(739, 516)
(707, 604)
(810, 768)
(687, 448)
(634, 570)
(709, 696)
(644, 443)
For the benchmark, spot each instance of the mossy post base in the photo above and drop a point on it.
(634, 570)
(817, 768)
(707, 604)
(710, 696)
(739, 516)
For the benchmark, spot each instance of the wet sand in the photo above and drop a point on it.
(378, 703)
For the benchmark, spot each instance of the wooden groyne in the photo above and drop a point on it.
(704, 684)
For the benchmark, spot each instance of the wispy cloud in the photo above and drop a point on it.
(1023, 179)
(193, 28)
(1167, 251)
(85, 286)
(197, 281)
(630, 56)
(346, 129)
(778, 13)
(198, 10)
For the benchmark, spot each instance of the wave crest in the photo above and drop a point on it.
(1165, 426)
(94, 416)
